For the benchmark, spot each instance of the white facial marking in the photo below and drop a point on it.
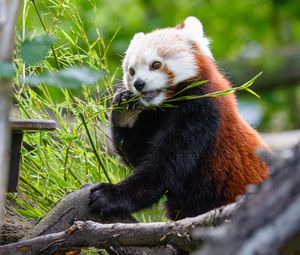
(173, 47)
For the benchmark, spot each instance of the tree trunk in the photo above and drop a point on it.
(8, 15)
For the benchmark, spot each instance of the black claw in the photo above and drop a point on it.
(121, 96)
(100, 199)
(96, 187)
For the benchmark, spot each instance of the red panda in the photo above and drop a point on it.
(200, 153)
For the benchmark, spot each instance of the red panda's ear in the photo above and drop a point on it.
(193, 30)
(138, 36)
(192, 26)
(180, 25)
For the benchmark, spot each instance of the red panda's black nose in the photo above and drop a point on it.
(139, 84)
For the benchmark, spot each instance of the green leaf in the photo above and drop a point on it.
(252, 92)
(73, 77)
(169, 105)
(197, 84)
(7, 70)
(193, 85)
(69, 38)
(35, 50)
(30, 214)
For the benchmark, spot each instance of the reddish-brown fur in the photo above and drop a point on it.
(234, 160)
(169, 73)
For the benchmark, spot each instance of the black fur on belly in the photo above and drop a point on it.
(170, 151)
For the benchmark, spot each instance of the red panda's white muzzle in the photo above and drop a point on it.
(150, 95)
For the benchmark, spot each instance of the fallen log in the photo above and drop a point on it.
(267, 223)
(74, 206)
(14, 226)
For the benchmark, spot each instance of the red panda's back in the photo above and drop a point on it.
(235, 162)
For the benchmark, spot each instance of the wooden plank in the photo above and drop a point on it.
(31, 125)
(18, 127)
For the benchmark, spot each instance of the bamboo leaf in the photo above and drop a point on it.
(244, 86)
(72, 77)
(252, 92)
(35, 50)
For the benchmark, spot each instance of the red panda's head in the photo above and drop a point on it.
(158, 61)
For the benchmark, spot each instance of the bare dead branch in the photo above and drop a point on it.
(86, 234)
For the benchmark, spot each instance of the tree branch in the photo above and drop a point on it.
(89, 233)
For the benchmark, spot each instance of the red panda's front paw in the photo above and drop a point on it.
(103, 198)
(124, 97)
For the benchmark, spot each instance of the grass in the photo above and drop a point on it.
(55, 163)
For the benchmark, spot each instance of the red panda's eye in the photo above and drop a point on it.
(156, 65)
(131, 71)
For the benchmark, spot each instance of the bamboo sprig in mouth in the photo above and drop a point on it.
(246, 86)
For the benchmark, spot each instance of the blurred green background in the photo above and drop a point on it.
(247, 36)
